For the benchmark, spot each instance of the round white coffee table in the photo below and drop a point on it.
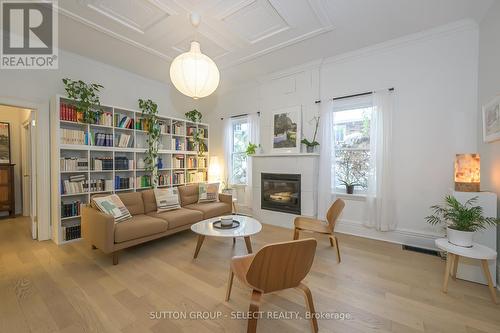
(477, 251)
(248, 227)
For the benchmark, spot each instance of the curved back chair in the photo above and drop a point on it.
(303, 223)
(275, 267)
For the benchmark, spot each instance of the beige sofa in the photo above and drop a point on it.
(146, 223)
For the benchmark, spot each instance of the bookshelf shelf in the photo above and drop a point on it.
(121, 127)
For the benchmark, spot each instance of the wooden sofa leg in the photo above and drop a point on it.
(94, 247)
(115, 258)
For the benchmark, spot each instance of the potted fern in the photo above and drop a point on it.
(461, 220)
(86, 96)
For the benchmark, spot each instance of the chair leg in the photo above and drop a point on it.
(93, 247)
(253, 311)
(229, 284)
(310, 306)
(334, 242)
(295, 234)
(115, 258)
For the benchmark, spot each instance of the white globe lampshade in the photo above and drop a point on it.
(194, 74)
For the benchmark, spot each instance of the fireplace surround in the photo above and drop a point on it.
(281, 192)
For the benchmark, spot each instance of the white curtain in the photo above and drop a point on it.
(228, 148)
(326, 160)
(379, 199)
(254, 137)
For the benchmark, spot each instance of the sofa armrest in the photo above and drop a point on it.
(98, 229)
(226, 198)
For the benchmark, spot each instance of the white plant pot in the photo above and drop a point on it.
(460, 238)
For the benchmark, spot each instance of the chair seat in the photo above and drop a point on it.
(240, 266)
(306, 223)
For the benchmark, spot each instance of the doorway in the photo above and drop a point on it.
(18, 154)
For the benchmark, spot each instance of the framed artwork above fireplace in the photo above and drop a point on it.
(286, 130)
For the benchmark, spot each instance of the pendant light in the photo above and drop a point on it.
(193, 73)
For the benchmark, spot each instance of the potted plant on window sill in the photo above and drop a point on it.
(461, 220)
(252, 149)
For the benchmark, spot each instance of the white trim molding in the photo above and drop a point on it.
(398, 236)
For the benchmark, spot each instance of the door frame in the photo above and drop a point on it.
(42, 160)
(28, 159)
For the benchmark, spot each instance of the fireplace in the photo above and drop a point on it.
(280, 192)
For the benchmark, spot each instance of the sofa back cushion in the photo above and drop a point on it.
(188, 194)
(148, 196)
(133, 202)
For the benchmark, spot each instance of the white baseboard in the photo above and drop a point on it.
(398, 236)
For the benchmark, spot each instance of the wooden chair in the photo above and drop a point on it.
(303, 223)
(275, 267)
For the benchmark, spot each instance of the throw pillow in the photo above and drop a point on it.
(112, 205)
(208, 192)
(167, 199)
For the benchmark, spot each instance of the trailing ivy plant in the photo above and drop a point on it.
(200, 142)
(194, 115)
(86, 96)
(150, 114)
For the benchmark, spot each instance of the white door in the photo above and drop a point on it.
(27, 168)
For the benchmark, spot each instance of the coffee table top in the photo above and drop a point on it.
(477, 251)
(248, 227)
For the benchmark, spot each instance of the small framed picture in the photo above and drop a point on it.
(491, 120)
(287, 130)
(4, 143)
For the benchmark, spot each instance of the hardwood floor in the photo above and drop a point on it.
(46, 288)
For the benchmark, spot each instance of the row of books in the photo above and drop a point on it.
(68, 112)
(101, 139)
(73, 137)
(105, 119)
(75, 184)
(143, 181)
(178, 178)
(178, 162)
(178, 144)
(122, 183)
(203, 132)
(73, 164)
(196, 176)
(191, 145)
(178, 128)
(164, 127)
(190, 130)
(202, 162)
(123, 163)
(164, 179)
(142, 124)
(102, 163)
(71, 232)
(191, 162)
(70, 209)
(101, 185)
(123, 121)
(124, 140)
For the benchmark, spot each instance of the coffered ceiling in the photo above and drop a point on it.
(246, 38)
(231, 31)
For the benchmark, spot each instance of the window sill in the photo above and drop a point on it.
(353, 197)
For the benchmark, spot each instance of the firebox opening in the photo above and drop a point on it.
(281, 192)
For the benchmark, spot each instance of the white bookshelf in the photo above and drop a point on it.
(169, 153)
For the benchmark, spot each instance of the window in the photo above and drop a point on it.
(351, 137)
(238, 153)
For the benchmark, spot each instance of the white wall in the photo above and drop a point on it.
(435, 77)
(15, 117)
(34, 88)
(489, 86)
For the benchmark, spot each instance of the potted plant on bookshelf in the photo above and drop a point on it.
(461, 220)
(86, 96)
(150, 114)
(199, 139)
(310, 145)
(194, 116)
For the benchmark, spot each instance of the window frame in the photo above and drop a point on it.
(350, 104)
(241, 154)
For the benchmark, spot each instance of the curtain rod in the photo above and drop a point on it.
(351, 96)
(240, 115)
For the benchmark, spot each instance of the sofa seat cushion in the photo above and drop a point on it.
(179, 217)
(211, 209)
(139, 226)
